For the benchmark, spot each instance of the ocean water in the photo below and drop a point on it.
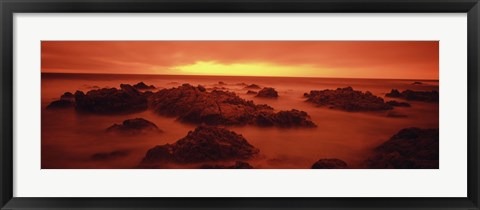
(69, 139)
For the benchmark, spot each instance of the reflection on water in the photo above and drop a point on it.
(70, 139)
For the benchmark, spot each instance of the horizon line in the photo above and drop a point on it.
(101, 73)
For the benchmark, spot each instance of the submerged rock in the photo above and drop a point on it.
(426, 96)
(143, 86)
(267, 92)
(252, 86)
(410, 148)
(204, 144)
(251, 92)
(193, 105)
(134, 127)
(417, 83)
(329, 164)
(111, 100)
(399, 104)
(237, 165)
(347, 99)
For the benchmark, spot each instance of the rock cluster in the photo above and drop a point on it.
(410, 148)
(111, 100)
(134, 127)
(426, 96)
(267, 92)
(329, 164)
(204, 144)
(347, 99)
(67, 100)
(143, 86)
(195, 105)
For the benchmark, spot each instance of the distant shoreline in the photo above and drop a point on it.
(220, 76)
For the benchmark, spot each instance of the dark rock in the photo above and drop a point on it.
(287, 119)
(267, 93)
(221, 83)
(102, 156)
(252, 86)
(397, 103)
(237, 165)
(410, 148)
(111, 100)
(68, 97)
(251, 92)
(347, 99)
(241, 84)
(204, 144)
(61, 104)
(201, 88)
(143, 86)
(329, 164)
(417, 83)
(134, 127)
(425, 96)
(192, 105)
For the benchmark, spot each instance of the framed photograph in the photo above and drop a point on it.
(239, 104)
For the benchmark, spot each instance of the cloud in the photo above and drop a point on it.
(385, 59)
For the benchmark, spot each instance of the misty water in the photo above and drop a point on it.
(69, 139)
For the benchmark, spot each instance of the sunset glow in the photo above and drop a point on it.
(245, 69)
(343, 59)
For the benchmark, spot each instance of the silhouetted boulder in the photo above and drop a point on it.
(61, 104)
(426, 96)
(221, 83)
(67, 96)
(111, 100)
(193, 105)
(204, 144)
(329, 164)
(267, 93)
(287, 119)
(251, 92)
(237, 165)
(347, 99)
(134, 127)
(410, 148)
(103, 156)
(143, 86)
(252, 86)
(397, 103)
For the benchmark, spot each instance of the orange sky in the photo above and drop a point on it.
(351, 59)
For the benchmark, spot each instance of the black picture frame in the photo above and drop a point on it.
(9, 7)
